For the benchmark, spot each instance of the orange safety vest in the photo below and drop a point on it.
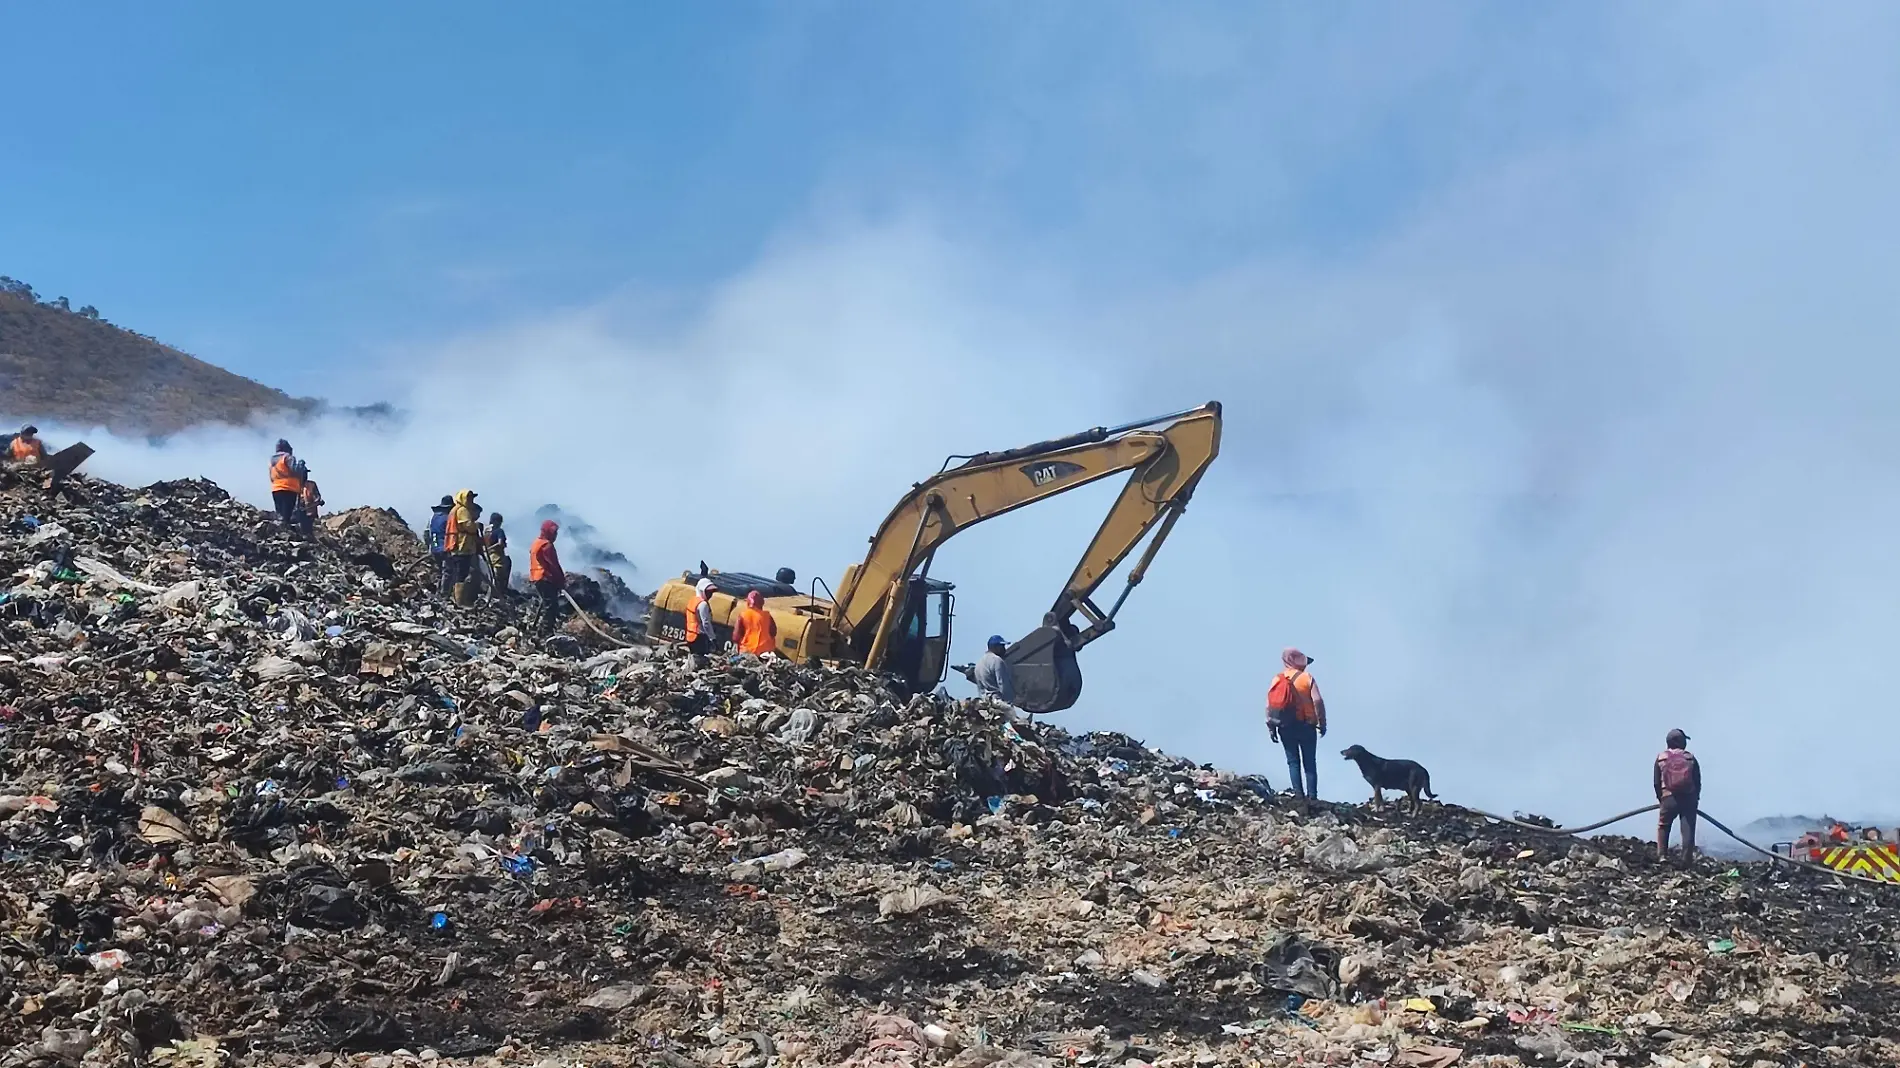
(692, 617)
(283, 475)
(24, 450)
(537, 559)
(755, 631)
(1300, 697)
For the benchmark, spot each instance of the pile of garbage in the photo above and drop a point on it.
(266, 801)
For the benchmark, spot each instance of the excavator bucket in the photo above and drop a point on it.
(1044, 670)
(67, 460)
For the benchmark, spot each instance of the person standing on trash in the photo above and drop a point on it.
(462, 540)
(699, 619)
(495, 546)
(438, 535)
(439, 525)
(1296, 718)
(753, 629)
(992, 674)
(546, 576)
(309, 503)
(1677, 777)
(287, 474)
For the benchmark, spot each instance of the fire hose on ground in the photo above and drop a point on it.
(591, 625)
(1700, 814)
(486, 571)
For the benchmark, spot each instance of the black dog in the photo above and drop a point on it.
(1383, 775)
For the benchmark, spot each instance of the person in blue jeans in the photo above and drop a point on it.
(1296, 718)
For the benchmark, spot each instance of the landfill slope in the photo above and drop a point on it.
(269, 802)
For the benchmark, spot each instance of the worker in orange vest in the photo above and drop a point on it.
(546, 576)
(286, 482)
(463, 540)
(309, 502)
(754, 630)
(699, 619)
(1296, 718)
(27, 448)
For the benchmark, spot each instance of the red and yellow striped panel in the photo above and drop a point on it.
(1875, 860)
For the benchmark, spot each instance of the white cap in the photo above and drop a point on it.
(703, 585)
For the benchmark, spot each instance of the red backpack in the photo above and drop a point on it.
(1283, 698)
(1678, 770)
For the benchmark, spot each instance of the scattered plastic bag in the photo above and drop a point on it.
(1339, 854)
(911, 900)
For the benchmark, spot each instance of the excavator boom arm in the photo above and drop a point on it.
(1157, 494)
(1167, 456)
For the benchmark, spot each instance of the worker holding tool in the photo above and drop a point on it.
(1296, 718)
(309, 503)
(753, 630)
(462, 539)
(1677, 777)
(546, 576)
(495, 543)
(286, 482)
(699, 619)
(991, 674)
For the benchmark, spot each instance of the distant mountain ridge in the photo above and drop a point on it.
(71, 366)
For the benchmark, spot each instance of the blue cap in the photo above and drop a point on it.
(997, 639)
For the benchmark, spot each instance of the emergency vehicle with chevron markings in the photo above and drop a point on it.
(1865, 852)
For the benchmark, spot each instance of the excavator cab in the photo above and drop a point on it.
(920, 646)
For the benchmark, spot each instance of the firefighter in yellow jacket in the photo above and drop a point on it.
(462, 542)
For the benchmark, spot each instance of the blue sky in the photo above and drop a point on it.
(285, 194)
(1554, 339)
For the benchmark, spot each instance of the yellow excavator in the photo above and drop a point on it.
(889, 615)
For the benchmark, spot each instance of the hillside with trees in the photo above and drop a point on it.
(67, 365)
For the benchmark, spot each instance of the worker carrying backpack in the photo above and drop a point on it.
(1678, 771)
(1283, 700)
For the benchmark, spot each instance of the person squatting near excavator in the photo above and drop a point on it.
(1296, 718)
(462, 540)
(26, 449)
(699, 619)
(546, 576)
(1677, 777)
(753, 629)
(500, 568)
(287, 474)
